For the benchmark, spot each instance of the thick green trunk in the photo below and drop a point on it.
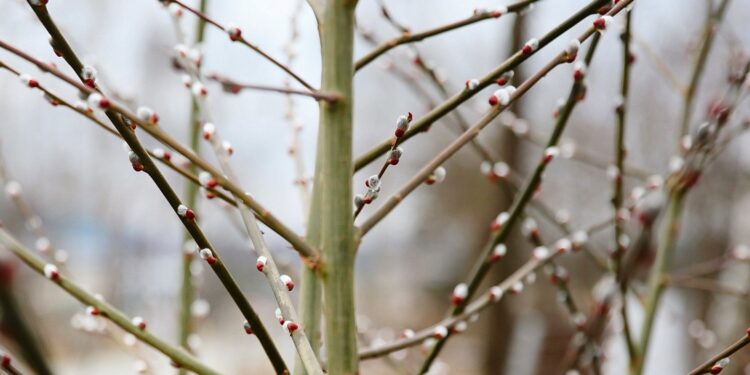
(331, 224)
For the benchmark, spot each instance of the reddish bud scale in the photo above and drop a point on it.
(716, 369)
(90, 83)
(631, 58)
(600, 23)
(211, 183)
(235, 34)
(748, 331)
(392, 161)
(210, 195)
(604, 10)
(137, 166)
(399, 133)
(33, 83)
(104, 103)
(6, 360)
(496, 14)
(493, 100)
(248, 328)
(167, 156)
(291, 327)
(57, 52)
(526, 50)
(456, 300)
(501, 81)
(211, 260)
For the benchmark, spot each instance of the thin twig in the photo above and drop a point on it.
(244, 41)
(617, 196)
(411, 38)
(233, 86)
(731, 349)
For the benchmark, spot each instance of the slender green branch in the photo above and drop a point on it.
(457, 99)
(191, 194)
(169, 194)
(416, 37)
(713, 19)
(178, 355)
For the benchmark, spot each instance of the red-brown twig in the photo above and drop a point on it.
(234, 87)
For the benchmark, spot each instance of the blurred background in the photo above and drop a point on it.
(123, 241)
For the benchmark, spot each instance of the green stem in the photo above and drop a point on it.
(331, 226)
(667, 242)
(191, 194)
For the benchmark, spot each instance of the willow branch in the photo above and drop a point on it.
(457, 99)
(239, 38)
(279, 284)
(106, 310)
(481, 303)
(617, 195)
(731, 349)
(233, 86)
(191, 198)
(484, 263)
(309, 253)
(713, 19)
(168, 192)
(416, 37)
